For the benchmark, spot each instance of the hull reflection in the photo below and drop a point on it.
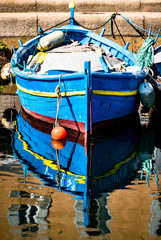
(90, 174)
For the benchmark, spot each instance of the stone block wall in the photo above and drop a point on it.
(20, 19)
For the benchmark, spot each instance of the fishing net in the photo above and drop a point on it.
(145, 55)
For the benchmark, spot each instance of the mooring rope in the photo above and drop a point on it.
(58, 177)
(131, 23)
(58, 91)
(119, 32)
(55, 25)
(102, 25)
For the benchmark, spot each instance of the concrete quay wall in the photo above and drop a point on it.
(21, 18)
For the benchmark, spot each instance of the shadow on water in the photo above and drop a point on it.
(117, 159)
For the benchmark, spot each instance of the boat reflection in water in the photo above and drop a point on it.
(109, 162)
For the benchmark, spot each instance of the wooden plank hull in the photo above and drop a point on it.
(110, 97)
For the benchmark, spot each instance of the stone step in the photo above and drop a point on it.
(22, 18)
(88, 6)
(20, 24)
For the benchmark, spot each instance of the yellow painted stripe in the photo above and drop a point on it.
(114, 93)
(80, 178)
(116, 167)
(76, 93)
(49, 94)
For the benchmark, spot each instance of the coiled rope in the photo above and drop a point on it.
(146, 53)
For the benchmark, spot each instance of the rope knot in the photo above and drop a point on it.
(113, 16)
(57, 90)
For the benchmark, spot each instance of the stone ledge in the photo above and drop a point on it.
(150, 5)
(18, 24)
(26, 25)
(89, 6)
(7, 6)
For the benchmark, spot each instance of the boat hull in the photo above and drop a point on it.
(90, 102)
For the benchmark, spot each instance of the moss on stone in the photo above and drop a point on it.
(4, 51)
(3, 46)
(8, 89)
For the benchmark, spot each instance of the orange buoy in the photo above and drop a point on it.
(58, 133)
(58, 144)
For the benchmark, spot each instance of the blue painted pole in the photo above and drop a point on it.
(102, 32)
(86, 205)
(72, 16)
(20, 42)
(71, 6)
(149, 33)
(86, 195)
(127, 45)
(13, 48)
(87, 76)
(103, 64)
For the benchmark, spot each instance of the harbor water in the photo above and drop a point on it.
(109, 190)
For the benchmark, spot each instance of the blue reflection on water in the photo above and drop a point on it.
(90, 173)
(110, 161)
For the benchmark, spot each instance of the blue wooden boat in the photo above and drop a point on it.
(90, 98)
